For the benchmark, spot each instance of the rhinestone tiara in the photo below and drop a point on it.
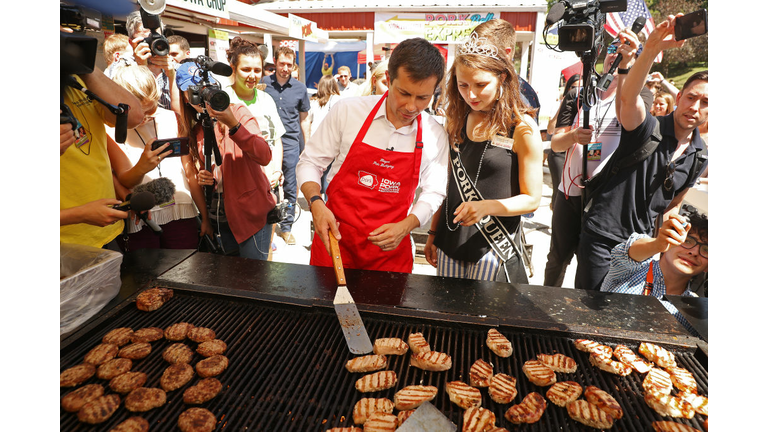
(479, 45)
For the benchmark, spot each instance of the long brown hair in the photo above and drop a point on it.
(326, 88)
(506, 112)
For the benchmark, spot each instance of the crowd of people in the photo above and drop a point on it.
(466, 136)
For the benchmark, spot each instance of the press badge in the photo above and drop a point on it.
(81, 135)
(594, 151)
(503, 142)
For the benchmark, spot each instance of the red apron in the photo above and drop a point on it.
(373, 187)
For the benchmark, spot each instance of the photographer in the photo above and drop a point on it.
(163, 67)
(137, 163)
(246, 193)
(86, 189)
(632, 199)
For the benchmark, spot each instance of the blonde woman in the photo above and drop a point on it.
(377, 83)
(495, 173)
(141, 164)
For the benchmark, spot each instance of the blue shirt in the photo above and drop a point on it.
(291, 100)
(628, 276)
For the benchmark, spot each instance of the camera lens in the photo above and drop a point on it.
(218, 99)
(160, 46)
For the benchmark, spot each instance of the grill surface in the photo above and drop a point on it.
(286, 370)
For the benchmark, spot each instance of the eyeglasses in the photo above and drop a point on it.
(343, 76)
(691, 243)
(668, 181)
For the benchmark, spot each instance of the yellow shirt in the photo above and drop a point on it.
(85, 173)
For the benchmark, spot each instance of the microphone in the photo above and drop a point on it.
(138, 202)
(218, 68)
(161, 189)
(556, 13)
(605, 80)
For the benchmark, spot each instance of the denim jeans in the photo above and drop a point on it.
(258, 245)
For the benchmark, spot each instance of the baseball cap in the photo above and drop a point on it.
(187, 74)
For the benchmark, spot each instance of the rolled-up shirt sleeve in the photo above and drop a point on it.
(321, 149)
(625, 273)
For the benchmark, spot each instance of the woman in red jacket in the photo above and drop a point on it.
(239, 182)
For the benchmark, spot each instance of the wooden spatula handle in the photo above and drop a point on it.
(336, 256)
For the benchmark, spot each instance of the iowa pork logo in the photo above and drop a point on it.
(367, 179)
(389, 186)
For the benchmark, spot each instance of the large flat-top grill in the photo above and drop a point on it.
(286, 370)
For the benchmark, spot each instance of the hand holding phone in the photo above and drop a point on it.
(179, 146)
(691, 25)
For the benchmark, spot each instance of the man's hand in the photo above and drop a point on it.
(141, 51)
(325, 223)
(582, 136)
(627, 48)
(663, 37)
(67, 137)
(166, 63)
(150, 159)
(389, 236)
(430, 251)
(98, 213)
(672, 232)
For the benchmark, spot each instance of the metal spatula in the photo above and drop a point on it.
(427, 418)
(346, 310)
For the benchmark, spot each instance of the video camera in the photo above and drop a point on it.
(209, 90)
(583, 21)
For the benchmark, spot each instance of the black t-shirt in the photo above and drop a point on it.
(631, 200)
(498, 180)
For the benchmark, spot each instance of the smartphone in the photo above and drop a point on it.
(691, 25)
(180, 145)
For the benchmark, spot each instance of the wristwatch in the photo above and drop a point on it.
(234, 129)
(623, 71)
(313, 199)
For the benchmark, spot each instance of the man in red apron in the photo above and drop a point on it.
(382, 148)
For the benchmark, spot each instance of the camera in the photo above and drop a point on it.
(158, 44)
(583, 21)
(209, 90)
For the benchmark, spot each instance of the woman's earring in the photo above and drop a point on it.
(501, 92)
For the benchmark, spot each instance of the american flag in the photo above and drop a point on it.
(617, 21)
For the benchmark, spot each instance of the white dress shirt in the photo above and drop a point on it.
(335, 135)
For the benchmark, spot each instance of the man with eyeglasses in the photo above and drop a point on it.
(664, 264)
(572, 138)
(632, 200)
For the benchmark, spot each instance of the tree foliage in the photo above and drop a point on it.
(695, 50)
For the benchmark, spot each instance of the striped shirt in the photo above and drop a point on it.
(628, 276)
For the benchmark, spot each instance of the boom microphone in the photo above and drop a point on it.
(162, 190)
(138, 202)
(605, 80)
(218, 68)
(556, 13)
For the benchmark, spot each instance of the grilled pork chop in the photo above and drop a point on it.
(539, 373)
(463, 395)
(99, 410)
(345, 429)
(699, 403)
(368, 363)
(658, 380)
(668, 405)
(211, 366)
(390, 346)
(670, 426)
(197, 420)
(410, 397)
(529, 410)
(657, 354)
(76, 374)
(380, 422)
(608, 365)
(211, 348)
(589, 346)
(153, 298)
(148, 334)
(176, 376)
(135, 351)
(376, 381)
(563, 392)
(478, 419)
(178, 331)
(132, 424)
(590, 415)
(682, 379)
(127, 382)
(119, 336)
(502, 388)
(604, 401)
(203, 391)
(500, 345)
(367, 406)
(625, 355)
(431, 361)
(144, 399)
(558, 362)
(201, 334)
(418, 344)
(480, 374)
(113, 368)
(101, 353)
(402, 416)
(74, 400)
(178, 353)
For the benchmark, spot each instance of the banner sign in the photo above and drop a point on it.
(444, 28)
(301, 28)
(218, 44)
(216, 8)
